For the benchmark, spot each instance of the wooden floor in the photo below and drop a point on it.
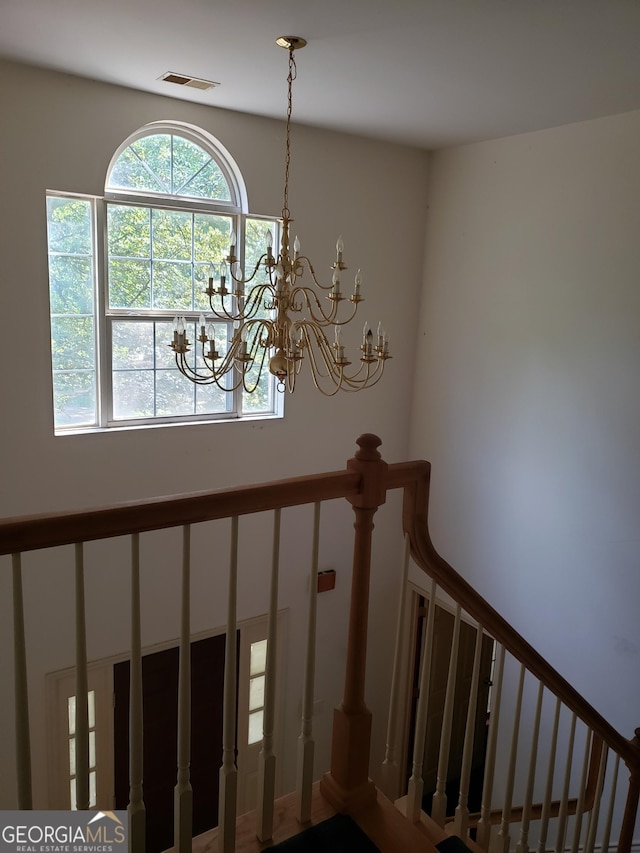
(382, 822)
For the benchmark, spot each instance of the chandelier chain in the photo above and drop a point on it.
(287, 159)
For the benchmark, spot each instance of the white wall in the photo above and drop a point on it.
(526, 398)
(59, 133)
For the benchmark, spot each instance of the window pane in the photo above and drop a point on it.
(72, 794)
(144, 165)
(91, 699)
(172, 286)
(93, 794)
(129, 230)
(256, 692)
(255, 727)
(129, 284)
(70, 284)
(69, 226)
(172, 234)
(132, 345)
(194, 172)
(71, 708)
(133, 395)
(256, 244)
(208, 183)
(210, 399)
(72, 343)
(72, 756)
(258, 658)
(92, 749)
(174, 394)
(211, 237)
(74, 398)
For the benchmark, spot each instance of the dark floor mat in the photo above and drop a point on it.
(338, 834)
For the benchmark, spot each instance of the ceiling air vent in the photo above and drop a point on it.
(191, 82)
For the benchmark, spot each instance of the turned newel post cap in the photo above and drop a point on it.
(368, 444)
(373, 471)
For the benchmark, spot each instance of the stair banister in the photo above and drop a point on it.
(415, 523)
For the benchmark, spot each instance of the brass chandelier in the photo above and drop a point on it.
(279, 316)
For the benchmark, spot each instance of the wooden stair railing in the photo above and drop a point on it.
(364, 484)
(415, 515)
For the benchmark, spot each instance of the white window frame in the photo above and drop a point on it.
(236, 208)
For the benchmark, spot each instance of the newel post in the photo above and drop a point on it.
(347, 785)
(625, 840)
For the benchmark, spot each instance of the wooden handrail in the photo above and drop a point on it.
(51, 530)
(30, 533)
(415, 522)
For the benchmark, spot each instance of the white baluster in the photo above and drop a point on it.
(136, 808)
(594, 814)
(546, 805)
(306, 746)
(183, 794)
(483, 836)
(564, 800)
(581, 794)
(461, 819)
(390, 766)
(606, 832)
(416, 782)
(503, 834)
(228, 771)
(439, 801)
(82, 699)
(267, 758)
(523, 844)
(23, 739)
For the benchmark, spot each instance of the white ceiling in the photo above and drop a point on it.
(424, 72)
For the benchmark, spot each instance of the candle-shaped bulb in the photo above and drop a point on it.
(365, 329)
(175, 324)
(269, 240)
(201, 321)
(338, 336)
(180, 325)
(358, 281)
(296, 246)
(339, 245)
(211, 331)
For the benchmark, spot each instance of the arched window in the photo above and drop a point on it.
(122, 266)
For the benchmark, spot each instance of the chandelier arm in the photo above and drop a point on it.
(316, 375)
(334, 371)
(251, 300)
(251, 388)
(302, 260)
(194, 376)
(243, 280)
(377, 376)
(322, 319)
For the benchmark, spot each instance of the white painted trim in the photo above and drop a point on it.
(61, 684)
